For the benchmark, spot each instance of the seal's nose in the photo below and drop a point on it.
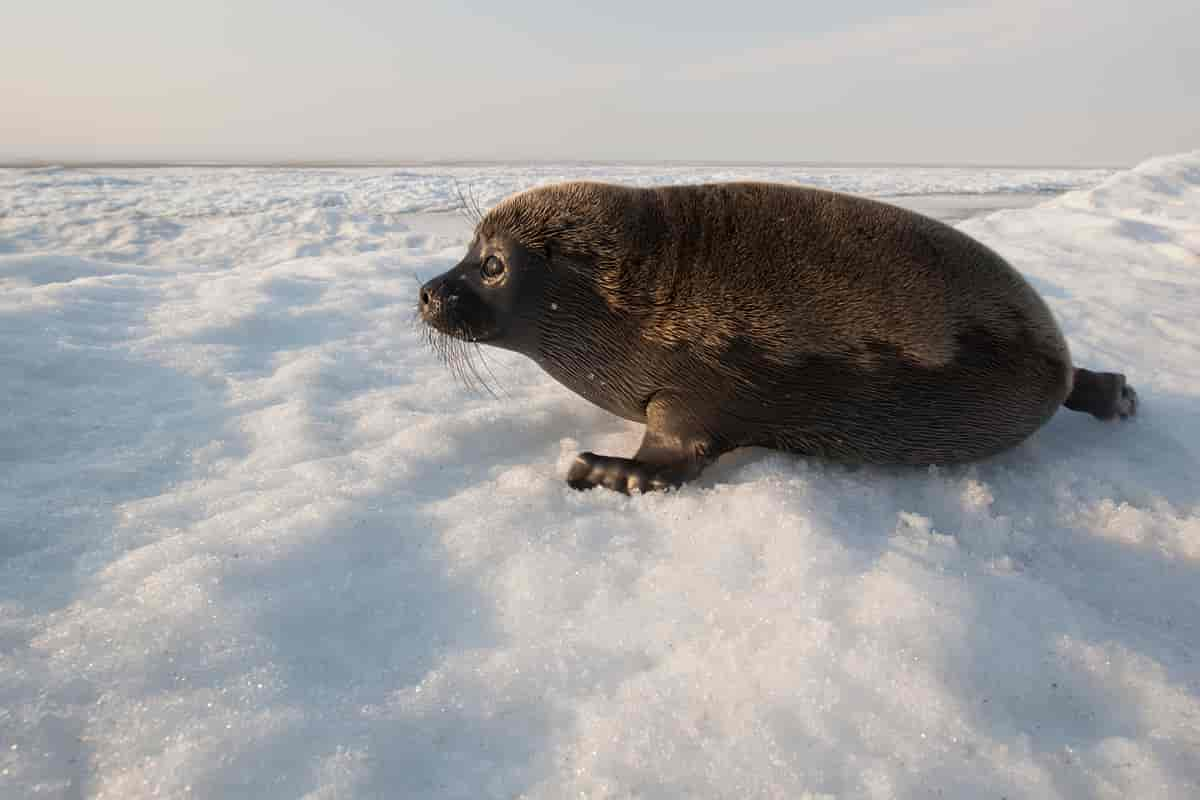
(431, 298)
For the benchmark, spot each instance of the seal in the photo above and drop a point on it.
(757, 314)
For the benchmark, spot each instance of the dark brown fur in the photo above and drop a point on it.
(740, 314)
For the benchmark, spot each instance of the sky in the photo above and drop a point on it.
(1106, 82)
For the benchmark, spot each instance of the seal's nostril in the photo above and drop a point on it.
(424, 297)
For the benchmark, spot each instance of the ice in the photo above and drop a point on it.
(257, 542)
(228, 217)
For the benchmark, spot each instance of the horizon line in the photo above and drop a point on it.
(41, 163)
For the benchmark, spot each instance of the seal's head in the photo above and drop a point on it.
(534, 261)
(491, 296)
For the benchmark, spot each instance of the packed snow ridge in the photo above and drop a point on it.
(256, 542)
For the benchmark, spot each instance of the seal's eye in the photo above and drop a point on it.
(492, 269)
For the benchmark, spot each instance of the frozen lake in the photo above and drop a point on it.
(256, 542)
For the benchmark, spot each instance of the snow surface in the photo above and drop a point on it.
(256, 542)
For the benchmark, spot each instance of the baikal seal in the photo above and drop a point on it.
(756, 314)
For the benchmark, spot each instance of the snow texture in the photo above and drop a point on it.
(255, 542)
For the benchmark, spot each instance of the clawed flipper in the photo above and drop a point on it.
(625, 475)
(675, 449)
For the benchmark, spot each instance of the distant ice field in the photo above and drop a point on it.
(256, 542)
(219, 216)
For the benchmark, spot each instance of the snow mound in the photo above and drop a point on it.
(257, 542)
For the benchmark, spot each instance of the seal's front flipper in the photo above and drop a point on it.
(625, 475)
(1104, 395)
(675, 449)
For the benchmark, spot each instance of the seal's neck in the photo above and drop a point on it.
(595, 351)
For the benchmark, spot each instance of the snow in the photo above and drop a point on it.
(255, 541)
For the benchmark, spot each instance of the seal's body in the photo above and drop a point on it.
(731, 315)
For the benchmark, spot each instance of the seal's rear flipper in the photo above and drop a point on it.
(1104, 395)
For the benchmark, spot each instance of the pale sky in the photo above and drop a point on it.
(1012, 82)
